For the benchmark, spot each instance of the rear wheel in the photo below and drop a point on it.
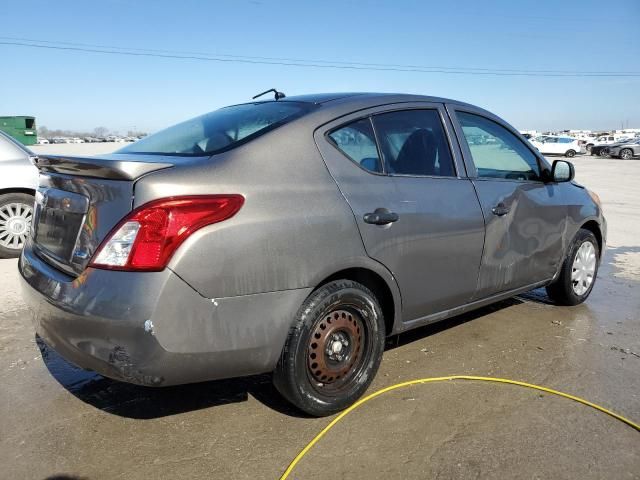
(16, 210)
(570, 153)
(334, 349)
(604, 152)
(626, 153)
(578, 272)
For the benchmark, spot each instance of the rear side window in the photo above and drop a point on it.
(502, 154)
(220, 130)
(413, 142)
(358, 142)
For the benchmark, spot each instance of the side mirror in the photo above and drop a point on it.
(562, 171)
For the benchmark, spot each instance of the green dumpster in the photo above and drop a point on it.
(22, 129)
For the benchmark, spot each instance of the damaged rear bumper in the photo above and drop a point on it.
(151, 328)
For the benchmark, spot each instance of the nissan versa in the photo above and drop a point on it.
(293, 236)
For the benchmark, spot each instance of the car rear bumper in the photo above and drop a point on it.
(151, 328)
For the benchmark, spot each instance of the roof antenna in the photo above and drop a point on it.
(278, 95)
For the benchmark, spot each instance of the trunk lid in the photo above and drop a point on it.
(80, 199)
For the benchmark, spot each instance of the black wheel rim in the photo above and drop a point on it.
(337, 350)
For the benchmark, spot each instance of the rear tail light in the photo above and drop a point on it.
(146, 239)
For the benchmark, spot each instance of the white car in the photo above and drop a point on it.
(18, 183)
(42, 141)
(557, 145)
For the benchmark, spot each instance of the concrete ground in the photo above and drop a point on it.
(56, 419)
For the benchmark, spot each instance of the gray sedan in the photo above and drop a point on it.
(625, 151)
(292, 236)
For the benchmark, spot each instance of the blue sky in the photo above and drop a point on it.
(81, 90)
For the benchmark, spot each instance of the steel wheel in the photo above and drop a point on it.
(15, 223)
(584, 268)
(626, 154)
(335, 350)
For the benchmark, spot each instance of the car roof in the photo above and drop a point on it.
(346, 97)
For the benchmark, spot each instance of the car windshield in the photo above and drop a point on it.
(219, 130)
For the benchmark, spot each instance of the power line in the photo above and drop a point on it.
(169, 54)
(298, 60)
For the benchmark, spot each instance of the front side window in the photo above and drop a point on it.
(219, 130)
(413, 142)
(504, 156)
(358, 142)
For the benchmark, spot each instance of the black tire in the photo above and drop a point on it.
(626, 154)
(343, 310)
(562, 291)
(570, 153)
(8, 200)
(604, 152)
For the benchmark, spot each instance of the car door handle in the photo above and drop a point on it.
(500, 209)
(381, 216)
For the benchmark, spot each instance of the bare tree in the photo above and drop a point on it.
(100, 131)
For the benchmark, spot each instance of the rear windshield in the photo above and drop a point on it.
(219, 130)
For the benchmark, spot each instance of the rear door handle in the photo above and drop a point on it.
(381, 216)
(500, 209)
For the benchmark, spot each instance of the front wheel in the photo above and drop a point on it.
(626, 154)
(16, 210)
(334, 349)
(570, 154)
(579, 270)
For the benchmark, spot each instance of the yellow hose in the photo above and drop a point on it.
(346, 412)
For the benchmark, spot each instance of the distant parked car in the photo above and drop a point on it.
(91, 140)
(42, 141)
(604, 149)
(626, 151)
(76, 140)
(293, 236)
(604, 140)
(554, 145)
(18, 182)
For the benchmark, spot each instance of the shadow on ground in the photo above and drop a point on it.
(135, 401)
